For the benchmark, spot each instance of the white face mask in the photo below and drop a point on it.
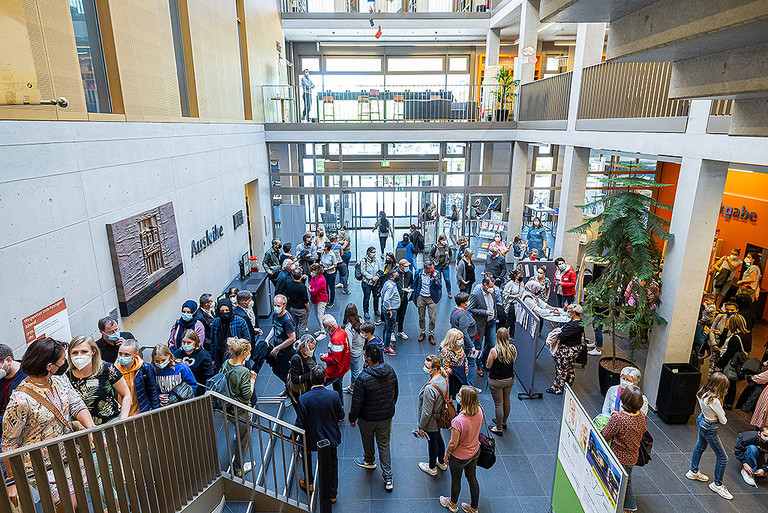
(80, 362)
(748, 261)
(426, 369)
(310, 353)
(625, 383)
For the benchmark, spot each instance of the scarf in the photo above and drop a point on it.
(185, 325)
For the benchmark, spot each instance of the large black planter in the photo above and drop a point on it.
(676, 400)
(501, 115)
(609, 378)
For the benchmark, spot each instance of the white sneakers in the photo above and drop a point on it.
(402, 335)
(721, 490)
(424, 466)
(392, 338)
(446, 503)
(748, 478)
(320, 336)
(594, 352)
(696, 476)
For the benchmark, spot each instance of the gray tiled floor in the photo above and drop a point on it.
(522, 478)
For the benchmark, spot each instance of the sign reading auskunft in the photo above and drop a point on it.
(211, 236)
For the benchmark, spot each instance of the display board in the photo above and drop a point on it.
(527, 329)
(51, 321)
(588, 476)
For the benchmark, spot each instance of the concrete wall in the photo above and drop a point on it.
(63, 181)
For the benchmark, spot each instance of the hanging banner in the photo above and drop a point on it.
(527, 329)
(52, 321)
(588, 477)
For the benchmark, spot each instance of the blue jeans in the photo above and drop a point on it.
(751, 457)
(708, 436)
(597, 324)
(469, 345)
(330, 285)
(630, 504)
(445, 272)
(355, 367)
(367, 290)
(336, 384)
(390, 316)
(486, 341)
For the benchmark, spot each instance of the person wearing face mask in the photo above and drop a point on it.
(38, 409)
(426, 294)
(749, 284)
(186, 322)
(501, 378)
(244, 308)
(513, 290)
(232, 294)
(319, 243)
(537, 236)
(570, 337)
(338, 358)
(724, 273)
(370, 268)
(306, 93)
(346, 255)
(139, 377)
(454, 360)
(281, 337)
(390, 304)
(306, 252)
(302, 363)
(287, 248)
(407, 250)
(329, 260)
(432, 397)
(318, 297)
(565, 283)
(271, 256)
(404, 285)
(465, 272)
(226, 325)
(111, 338)
(718, 335)
(546, 284)
(206, 314)
(341, 266)
(463, 321)
(482, 305)
(11, 376)
(175, 381)
(192, 353)
(98, 383)
(284, 277)
(441, 255)
(496, 265)
(498, 244)
(629, 376)
(240, 381)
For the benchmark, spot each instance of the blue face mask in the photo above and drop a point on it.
(186, 316)
(561, 267)
(114, 336)
(188, 348)
(124, 360)
(163, 365)
(278, 310)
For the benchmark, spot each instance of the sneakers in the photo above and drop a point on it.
(390, 350)
(446, 503)
(360, 462)
(349, 390)
(474, 353)
(303, 485)
(366, 316)
(378, 322)
(552, 391)
(442, 466)
(346, 293)
(594, 352)
(388, 484)
(696, 476)
(402, 335)
(339, 285)
(424, 466)
(392, 337)
(319, 337)
(247, 467)
(744, 475)
(721, 490)
(329, 305)
(467, 508)
(450, 296)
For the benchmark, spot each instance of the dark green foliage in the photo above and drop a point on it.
(629, 242)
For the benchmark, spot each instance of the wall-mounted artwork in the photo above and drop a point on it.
(146, 255)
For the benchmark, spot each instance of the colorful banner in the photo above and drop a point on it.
(588, 477)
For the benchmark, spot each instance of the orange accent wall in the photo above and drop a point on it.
(669, 173)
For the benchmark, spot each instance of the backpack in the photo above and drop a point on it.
(359, 270)
(219, 384)
(447, 412)
(418, 241)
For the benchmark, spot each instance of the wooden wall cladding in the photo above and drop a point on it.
(145, 58)
(264, 29)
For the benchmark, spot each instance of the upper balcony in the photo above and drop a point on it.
(378, 7)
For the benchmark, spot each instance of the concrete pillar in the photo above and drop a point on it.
(694, 218)
(529, 35)
(588, 52)
(492, 44)
(572, 191)
(517, 188)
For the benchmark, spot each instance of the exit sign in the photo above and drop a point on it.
(384, 163)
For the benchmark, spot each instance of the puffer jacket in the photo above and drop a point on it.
(567, 280)
(375, 394)
(145, 385)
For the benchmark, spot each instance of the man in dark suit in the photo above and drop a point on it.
(482, 306)
(318, 413)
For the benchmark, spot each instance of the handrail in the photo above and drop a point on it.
(628, 90)
(546, 99)
(721, 108)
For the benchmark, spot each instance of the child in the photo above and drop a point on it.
(710, 398)
(368, 330)
(707, 316)
(751, 448)
(708, 310)
(462, 246)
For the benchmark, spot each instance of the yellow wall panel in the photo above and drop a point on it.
(264, 30)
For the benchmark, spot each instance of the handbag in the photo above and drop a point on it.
(553, 340)
(447, 412)
(721, 277)
(72, 425)
(487, 454)
(297, 389)
(733, 371)
(181, 392)
(644, 452)
(752, 366)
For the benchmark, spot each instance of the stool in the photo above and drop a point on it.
(328, 101)
(363, 107)
(374, 102)
(399, 110)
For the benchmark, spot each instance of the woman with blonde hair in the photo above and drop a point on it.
(240, 381)
(175, 380)
(98, 382)
(501, 365)
(454, 360)
(463, 451)
(738, 341)
(199, 360)
(432, 397)
(710, 398)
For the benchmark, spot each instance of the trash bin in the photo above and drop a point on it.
(676, 400)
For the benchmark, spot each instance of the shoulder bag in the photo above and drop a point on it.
(487, 456)
(297, 389)
(447, 412)
(733, 371)
(72, 425)
(644, 453)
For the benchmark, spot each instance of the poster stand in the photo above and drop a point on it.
(527, 329)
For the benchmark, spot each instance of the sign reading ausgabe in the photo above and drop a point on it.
(52, 321)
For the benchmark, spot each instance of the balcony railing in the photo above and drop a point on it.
(628, 90)
(721, 108)
(546, 99)
(385, 6)
(399, 104)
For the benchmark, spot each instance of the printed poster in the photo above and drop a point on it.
(52, 321)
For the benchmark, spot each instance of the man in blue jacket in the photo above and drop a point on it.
(318, 412)
(427, 291)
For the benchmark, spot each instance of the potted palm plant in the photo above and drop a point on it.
(504, 93)
(629, 243)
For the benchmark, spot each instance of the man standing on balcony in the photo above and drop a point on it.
(306, 92)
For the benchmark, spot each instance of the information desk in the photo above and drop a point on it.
(257, 284)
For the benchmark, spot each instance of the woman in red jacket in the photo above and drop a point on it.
(318, 296)
(338, 358)
(565, 283)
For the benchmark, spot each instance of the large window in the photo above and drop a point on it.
(415, 64)
(90, 54)
(353, 64)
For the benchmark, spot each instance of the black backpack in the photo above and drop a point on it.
(418, 241)
(359, 270)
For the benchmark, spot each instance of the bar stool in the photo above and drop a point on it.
(374, 100)
(328, 101)
(399, 107)
(363, 107)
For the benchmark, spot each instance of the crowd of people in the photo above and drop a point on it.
(98, 381)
